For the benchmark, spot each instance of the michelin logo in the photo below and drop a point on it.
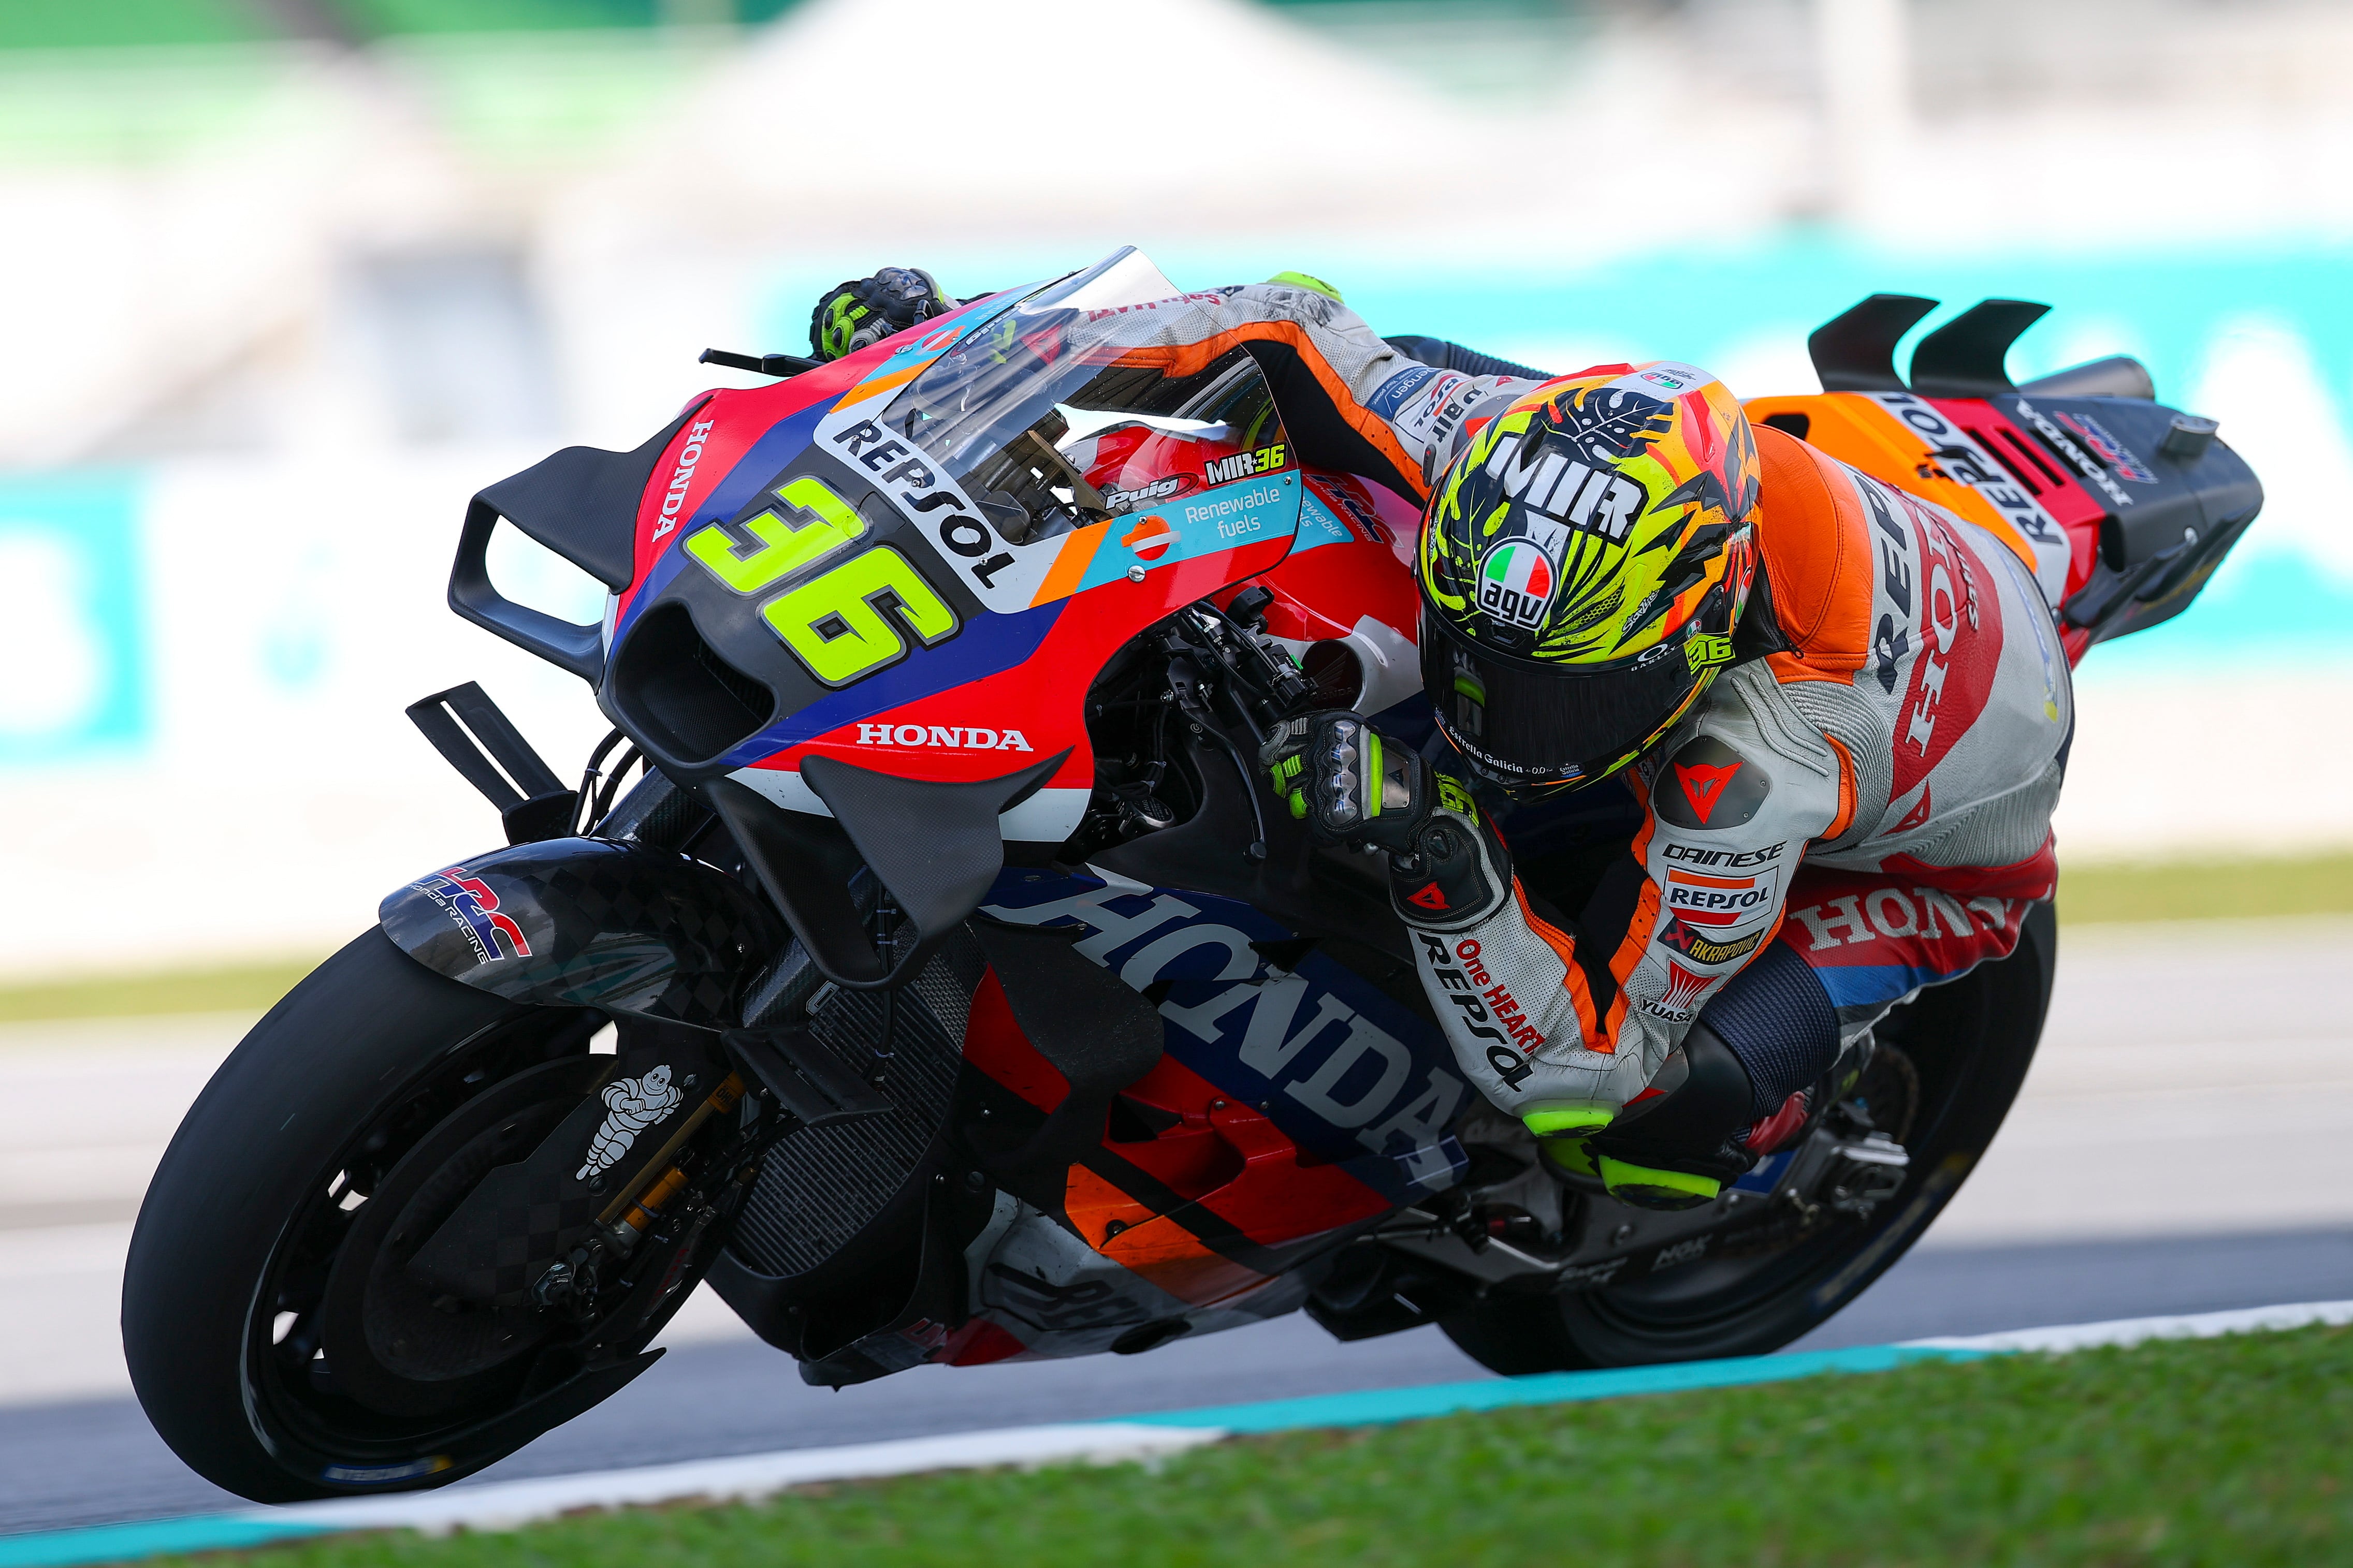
(631, 1105)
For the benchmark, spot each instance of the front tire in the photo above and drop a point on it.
(1970, 1042)
(232, 1291)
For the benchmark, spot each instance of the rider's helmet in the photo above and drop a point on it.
(1584, 562)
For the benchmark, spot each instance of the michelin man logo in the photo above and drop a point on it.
(632, 1105)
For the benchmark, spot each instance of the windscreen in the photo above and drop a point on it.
(1082, 402)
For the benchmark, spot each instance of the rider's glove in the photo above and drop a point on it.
(1350, 783)
(865, 311)
(1354, 786)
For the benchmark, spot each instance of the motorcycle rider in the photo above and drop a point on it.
(1843, 711)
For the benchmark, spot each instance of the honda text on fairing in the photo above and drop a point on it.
(950, 987)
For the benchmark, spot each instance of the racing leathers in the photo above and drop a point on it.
(1863, 796)
(1871, 790)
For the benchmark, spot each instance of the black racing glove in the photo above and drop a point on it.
(1354, 786)
(865, 311)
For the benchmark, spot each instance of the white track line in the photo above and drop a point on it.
(507, 1505)
(503, 1504)
(2134, 1330)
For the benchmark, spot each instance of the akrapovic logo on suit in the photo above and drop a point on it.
(1708, 946)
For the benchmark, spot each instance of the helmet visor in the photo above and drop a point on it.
(1529, 725)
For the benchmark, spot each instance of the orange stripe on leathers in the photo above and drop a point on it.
(1845, 817)
(1190, 359)
(1564, 947)
(1815, 541)
(1693, 879)
(1645, 918)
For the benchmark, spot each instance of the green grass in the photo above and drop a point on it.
(251, 987)
(2234, 889)
(2173, 891)
(78, 24)
(72, 24)
(2224, 1452)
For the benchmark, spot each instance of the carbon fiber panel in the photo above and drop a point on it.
(821, 1187)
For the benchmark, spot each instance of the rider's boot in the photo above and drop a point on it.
(1673, 1147)
(1736, 1089)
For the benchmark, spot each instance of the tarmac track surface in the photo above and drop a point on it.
(2170, 1057)
(96, 1462)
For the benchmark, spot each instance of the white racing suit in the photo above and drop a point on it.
(1877, 798)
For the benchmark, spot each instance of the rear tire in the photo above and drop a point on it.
(1970, 1040)
(228, 1267)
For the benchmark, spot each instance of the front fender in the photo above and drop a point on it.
(586, 922)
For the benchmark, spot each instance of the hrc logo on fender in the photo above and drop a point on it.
(468, 900)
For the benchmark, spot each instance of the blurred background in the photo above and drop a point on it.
(283, 281)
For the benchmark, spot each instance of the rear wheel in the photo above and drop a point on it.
(1958, 1052)
(273, 1334)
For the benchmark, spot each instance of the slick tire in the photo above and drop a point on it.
(1971, 1041)
(252, 1158)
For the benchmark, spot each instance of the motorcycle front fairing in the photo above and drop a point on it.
(946, 634)
(975, 581)
(1053, 497)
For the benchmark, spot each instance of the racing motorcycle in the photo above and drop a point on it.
(943, 987)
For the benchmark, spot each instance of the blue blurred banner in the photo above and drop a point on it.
(2166, 308)
(75, 681)
(2261, 339)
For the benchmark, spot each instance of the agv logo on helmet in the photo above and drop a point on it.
(1516, 582)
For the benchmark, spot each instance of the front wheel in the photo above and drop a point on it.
(273, 1336)
(1966, 1044)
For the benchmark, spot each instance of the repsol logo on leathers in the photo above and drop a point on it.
(1306, 1039)
(1461, 985)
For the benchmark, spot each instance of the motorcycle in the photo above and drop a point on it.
(954, 995)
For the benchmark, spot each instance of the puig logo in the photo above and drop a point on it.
(1142, 495)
